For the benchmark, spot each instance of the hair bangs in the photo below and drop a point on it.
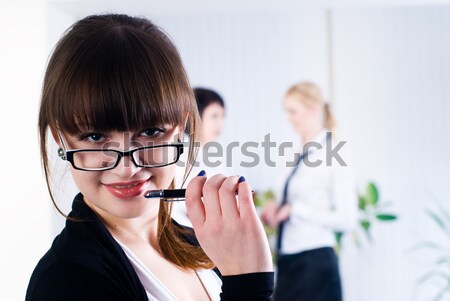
(124, 83)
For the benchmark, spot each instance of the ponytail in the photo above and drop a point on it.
(329, 121)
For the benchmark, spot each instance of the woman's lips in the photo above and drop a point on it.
(125, 190)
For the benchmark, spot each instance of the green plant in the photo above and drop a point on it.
(260, 199)
(439, 272)
(371, 210)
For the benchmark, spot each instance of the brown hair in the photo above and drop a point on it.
(122, 73)
(310, 94)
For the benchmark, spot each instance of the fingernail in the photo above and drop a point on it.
(201, 174)
(241, 179)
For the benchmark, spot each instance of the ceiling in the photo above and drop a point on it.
(190, 7)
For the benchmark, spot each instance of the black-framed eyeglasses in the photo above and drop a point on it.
(104, 159)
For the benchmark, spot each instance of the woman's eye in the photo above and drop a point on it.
(152, 132)
(92, 137)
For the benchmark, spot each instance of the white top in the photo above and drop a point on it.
(323, 200)
(156, 290)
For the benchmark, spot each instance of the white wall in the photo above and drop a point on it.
(392, 74)
(25, 221)
(63, 188)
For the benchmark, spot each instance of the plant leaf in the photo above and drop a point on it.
(258, 201)
(429, 245)
(362, 202)
(437, 219)
(427, 276)
(443, 260)
(338, 236)
(440, 205)
(385, 217)
(441, 293)
(372, 194)
(269, 194)
(356, 239)
(365, 224)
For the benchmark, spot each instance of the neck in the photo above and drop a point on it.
(309, 135)
(138, 229)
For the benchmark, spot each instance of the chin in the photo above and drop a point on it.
(136, 209)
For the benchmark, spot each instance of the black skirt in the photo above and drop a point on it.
(311, 275)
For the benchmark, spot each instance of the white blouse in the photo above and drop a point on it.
(323, 200)
(157, 291)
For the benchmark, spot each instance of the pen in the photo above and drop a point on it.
(169, 195)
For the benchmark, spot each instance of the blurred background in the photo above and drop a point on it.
(383, 65)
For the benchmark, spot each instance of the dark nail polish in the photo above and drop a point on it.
(201, 174)
(241, 179)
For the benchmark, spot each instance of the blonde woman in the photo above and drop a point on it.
(318, 199)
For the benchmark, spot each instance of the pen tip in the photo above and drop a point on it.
(152, 194)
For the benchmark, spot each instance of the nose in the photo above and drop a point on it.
(126, 168)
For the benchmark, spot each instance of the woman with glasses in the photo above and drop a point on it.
(116, 100)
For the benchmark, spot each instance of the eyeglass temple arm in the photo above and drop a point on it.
(62, 141)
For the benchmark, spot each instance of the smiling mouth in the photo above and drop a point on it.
(125, 186)
(127, 190)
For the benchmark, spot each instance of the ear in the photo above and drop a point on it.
(316, 108)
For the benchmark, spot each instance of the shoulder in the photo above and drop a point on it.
(76, 269)
(84, 265)
(60, 279)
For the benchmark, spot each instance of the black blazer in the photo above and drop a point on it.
(86, 263)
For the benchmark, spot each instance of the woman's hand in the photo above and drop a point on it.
(272, 215)
(228, 229)
(268, 213)
(282, 214)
